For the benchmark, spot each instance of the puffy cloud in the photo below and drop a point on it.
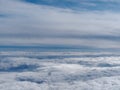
(93, 72)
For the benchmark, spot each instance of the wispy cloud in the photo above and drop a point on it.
(43, 24)
(80, 4)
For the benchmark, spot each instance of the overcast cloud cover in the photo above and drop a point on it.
(87, 23)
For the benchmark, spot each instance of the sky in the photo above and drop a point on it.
(91, 24)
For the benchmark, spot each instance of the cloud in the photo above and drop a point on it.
(92, 73)
(80, 4)
(43, 24)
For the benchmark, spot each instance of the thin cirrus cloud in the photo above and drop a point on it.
(87, 23)
(80, 4)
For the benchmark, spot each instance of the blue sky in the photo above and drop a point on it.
(78, 23)
(112, 5)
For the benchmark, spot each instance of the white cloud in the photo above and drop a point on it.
(47, 25)
(92, 73)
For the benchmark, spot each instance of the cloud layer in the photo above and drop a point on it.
(27, 22)
(28, 70)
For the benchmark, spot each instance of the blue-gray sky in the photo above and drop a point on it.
(88, 23)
